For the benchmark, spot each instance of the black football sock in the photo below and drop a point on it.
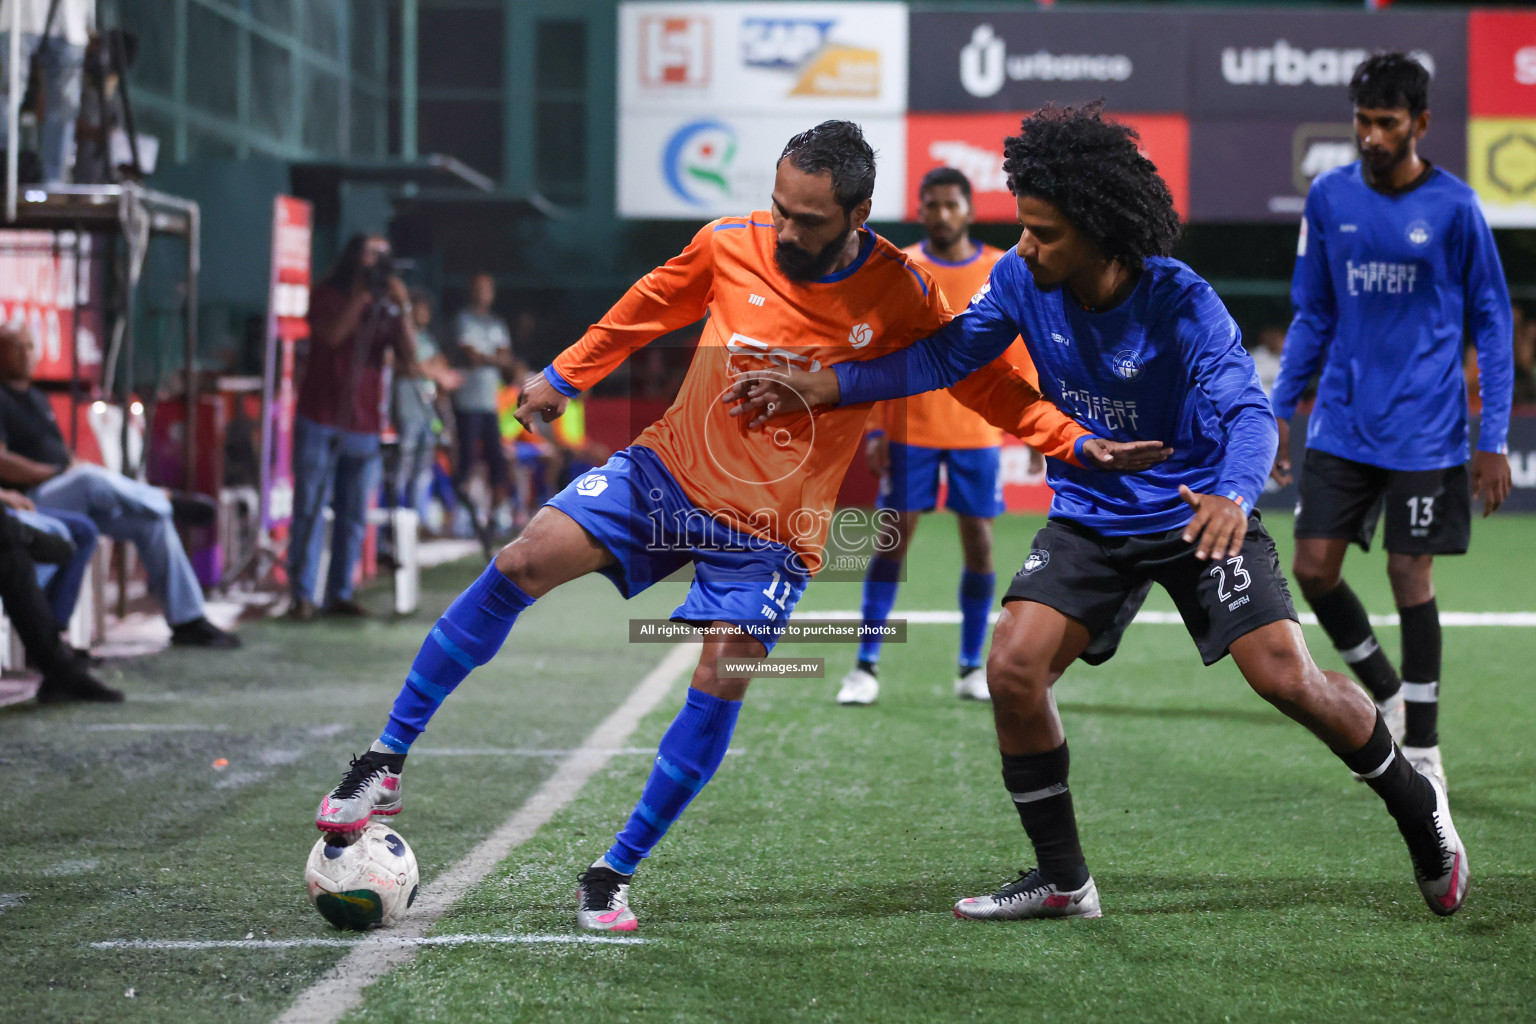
(1343, 618)
(1421, 673)
(868, 666)
(1038, 785)
(1407, 794)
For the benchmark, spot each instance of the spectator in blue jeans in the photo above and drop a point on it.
(61, 583)
(33, 457)
(358, 312)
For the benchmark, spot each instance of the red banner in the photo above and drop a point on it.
(973, 144)
(1501, 64)
(43, 285)
(286, 326)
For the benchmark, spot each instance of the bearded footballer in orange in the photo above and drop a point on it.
(917, 437)
(805, 285)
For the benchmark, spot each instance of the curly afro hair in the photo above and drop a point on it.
(1090, 169)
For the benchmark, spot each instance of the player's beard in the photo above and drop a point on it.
(799, 264)
(1382, 162)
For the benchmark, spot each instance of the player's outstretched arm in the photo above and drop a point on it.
(539, 398)
(1219, 525)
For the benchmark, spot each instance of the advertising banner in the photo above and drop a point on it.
(973, 145)
(44, 285)
(1259, 169)
(1298, 65)
(286, 326)
(704, 166)
(1020, 60)
(806, 60)
(1501, 100)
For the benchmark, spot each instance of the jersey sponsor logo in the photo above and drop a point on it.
(1111, 413)
(1038, 559)
(697, 160)
(1349, 229)
(1059, 338)
(756, 300)
(1126, 365)
(591, 485)
(741, 345)
(1301, 239)
(985, 64)
(1378, 276)
(1418, 233)
(860, 336)
(1284, 64)
(801, 45)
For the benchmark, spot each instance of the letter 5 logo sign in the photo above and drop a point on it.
(1501, 135)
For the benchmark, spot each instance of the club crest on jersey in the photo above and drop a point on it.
(1126, 365)
(861, 335)
(591, 485)
(1038, 559)
(1418, 233)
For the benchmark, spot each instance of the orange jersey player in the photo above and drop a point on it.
(919, 437)
(805, 285)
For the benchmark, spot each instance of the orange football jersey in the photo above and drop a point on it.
(937, 419)
(781, 482)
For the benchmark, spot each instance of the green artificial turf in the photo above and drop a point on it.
(1244, 875)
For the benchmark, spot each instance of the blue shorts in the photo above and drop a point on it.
(912, 485)
(634, 507)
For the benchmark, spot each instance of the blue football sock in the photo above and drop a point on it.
(880, 583)
(469, 634)
(976, 589)
(690, 752)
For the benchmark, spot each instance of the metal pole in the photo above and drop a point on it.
(408, 42)
(13, 114)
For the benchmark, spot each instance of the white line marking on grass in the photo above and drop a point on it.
(527, 752)
(341, 988)
(152, 727)
(66, 868)
(10, 900)
(1160, 618)
(380, 941)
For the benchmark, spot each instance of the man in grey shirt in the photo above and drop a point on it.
(485, 346)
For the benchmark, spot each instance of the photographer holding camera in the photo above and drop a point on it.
(358, 312)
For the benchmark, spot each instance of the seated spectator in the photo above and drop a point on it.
(358, 312)
(33, 457)
(61, 583)
(64, 677)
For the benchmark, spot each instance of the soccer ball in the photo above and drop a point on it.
(362, 879)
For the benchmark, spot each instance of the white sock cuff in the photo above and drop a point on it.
(1382, 767)
(1422, 693)
(1359, 652)
(1039, 794)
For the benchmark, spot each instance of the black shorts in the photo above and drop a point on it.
(1428, 512)
(1101, 582)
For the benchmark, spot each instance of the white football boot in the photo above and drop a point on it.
(1426, 761)
(371, 786)
(971, 684)
(1443, 882)
(859, 687)
(1028, 896)
(602, 900)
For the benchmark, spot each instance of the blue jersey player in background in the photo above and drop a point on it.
(1395, 265)
(1135, 346)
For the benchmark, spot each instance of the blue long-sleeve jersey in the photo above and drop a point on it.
(1167, 364)
(1385, 289)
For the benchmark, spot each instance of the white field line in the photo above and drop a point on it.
(528, 752)
(376, 941)
(1156, 618)
(152, 727)
(341, 988)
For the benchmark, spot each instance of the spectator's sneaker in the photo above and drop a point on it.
(859, 687)
(1440, 867)
(346, 608)
(74, 683)
(602, 900)
(1426, 761)
(202, 633)
(971, 684)
(371, 786)
(301, 610)
(1029, 895)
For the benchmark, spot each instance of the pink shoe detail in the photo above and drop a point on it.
(390, 782)
(610, 917)
(1449, 899)
(1057, 900)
